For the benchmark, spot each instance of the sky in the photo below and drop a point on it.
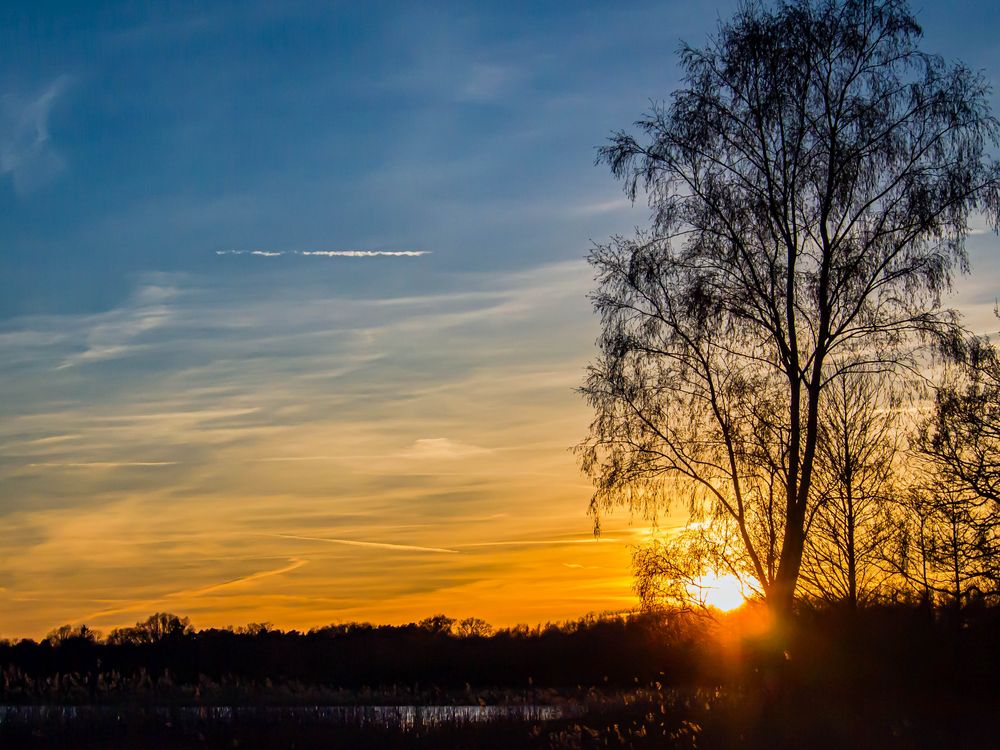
(293, 302)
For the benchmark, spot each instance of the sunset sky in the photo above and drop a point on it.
(293, 302)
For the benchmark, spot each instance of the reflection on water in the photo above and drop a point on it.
(389, 717)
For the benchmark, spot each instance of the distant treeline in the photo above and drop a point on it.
(164, 654)
(164, 660)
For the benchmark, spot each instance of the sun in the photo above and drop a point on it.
(724, 592)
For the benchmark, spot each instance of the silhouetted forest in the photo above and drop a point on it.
(905, 675)
(164, 658)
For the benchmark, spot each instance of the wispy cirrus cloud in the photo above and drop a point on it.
(370, 431)
(115, 334)
(26, 151)
(487, 82)
(598, 208)
(422, 449)
(441, 449)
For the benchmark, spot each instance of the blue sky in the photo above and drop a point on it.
(142, 136)
(146, 379)
(172, 131)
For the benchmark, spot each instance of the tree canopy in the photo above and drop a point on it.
(811, 184)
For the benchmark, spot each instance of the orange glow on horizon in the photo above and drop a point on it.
(383, 466)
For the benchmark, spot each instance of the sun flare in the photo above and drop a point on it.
(723, 592)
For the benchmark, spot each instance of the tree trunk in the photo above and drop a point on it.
(781, 592)
(852, 561)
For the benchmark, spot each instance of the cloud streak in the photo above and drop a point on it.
(114, 335)
(101, 464)
(444, 411)
(26, 152)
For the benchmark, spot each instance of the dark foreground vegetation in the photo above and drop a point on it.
(890, 676)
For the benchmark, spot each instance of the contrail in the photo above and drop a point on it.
(367, 253)
(294, 563)
(378, 545)
(551, 542)
(329, 253)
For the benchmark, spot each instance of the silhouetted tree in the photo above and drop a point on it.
(962, 435)
(473, 627)
(666, 570)
(945, 546)
(810, 185)
(670, 571)
(158, 627)
(255, 629)
(70, 633)
(437, 624)
(950, 520)
(851, 522)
